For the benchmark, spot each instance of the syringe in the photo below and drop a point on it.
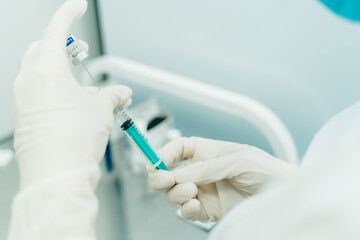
(128, 126)
(77, 56)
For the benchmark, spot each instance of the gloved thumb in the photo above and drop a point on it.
(61, 22)
(233, 165)
(209, 171)
(119, 96)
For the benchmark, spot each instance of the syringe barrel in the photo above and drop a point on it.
(145, 147)
(122, 117)
(134, 133)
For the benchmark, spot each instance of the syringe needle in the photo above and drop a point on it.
(87, 70)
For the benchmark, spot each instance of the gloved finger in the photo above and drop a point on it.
(210, 198)
(118, 95)
(161, 180)
(61, 22)
(209, 171)
(83, 45)
(180, 147)
(30, 51)
(193, 210)
(181, 193)
(127, 103)
(92, 89)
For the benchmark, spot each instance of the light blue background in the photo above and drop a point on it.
(296, 57)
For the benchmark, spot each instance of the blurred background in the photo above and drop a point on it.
(296, 57)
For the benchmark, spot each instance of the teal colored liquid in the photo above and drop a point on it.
(145, 147)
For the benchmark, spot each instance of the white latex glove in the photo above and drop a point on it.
(61, 132)
(320, 202)
(216, 176)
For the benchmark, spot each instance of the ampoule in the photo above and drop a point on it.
(77, 57)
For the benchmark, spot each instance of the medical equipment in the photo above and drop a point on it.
(128, 126)
(78, 56)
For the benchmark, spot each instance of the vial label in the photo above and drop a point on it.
(69, 41)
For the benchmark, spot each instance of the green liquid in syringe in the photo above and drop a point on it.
(129, 127)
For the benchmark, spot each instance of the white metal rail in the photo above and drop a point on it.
(210, 96)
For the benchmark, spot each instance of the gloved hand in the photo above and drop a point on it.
(216, 176)
(61, 132)
(59, 126)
